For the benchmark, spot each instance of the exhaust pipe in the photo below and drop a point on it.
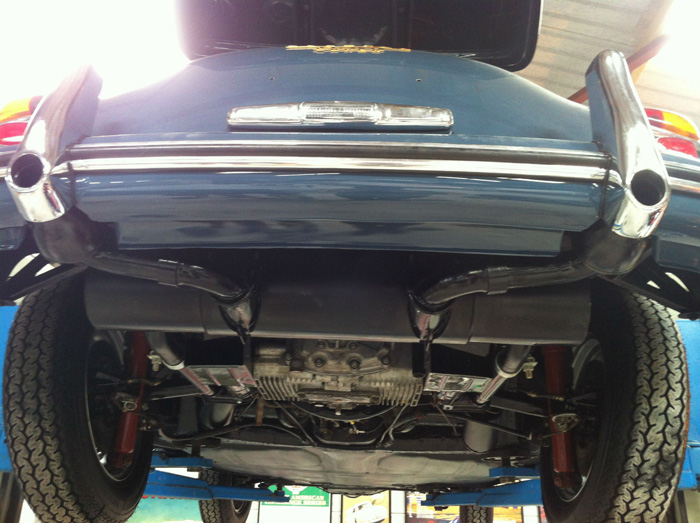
(66, 236)
(621, 128)
(173, 360)
(31, 188)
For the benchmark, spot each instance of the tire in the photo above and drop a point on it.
(475, 514)
(636, 453)
(222, 510)
(47, 418)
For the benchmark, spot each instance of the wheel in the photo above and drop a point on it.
(630, 443)
(475, 514)
(222, 510)
(57, 433)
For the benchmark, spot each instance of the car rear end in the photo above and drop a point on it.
(347, 258)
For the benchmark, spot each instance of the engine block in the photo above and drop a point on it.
(338, 374)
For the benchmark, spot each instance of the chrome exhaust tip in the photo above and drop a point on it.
(622, 129)
(61, 119)
(30, 185)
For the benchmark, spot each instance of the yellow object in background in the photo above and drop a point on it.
(16, 109)
(672, 122)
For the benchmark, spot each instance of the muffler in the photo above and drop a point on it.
(354, 310)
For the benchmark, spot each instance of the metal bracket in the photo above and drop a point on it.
(689, 477)
(166, 485)
(515, 472)
(163, 461)
(523, 493)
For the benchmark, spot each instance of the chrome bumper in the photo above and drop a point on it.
(618, 121)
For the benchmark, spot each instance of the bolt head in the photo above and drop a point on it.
(565, 480)
(120, 460)
(129, 406)
(321, 344)
(386, 360)
(352, 345)
(319, 362)
(354, 364)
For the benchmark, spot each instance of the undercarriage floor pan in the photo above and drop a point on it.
(352, 469)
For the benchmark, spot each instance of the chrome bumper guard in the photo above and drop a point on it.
(62, 118)
(621, 127)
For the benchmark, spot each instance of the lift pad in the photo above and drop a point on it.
(163, 461)
(515, 472)
(166, 485)
(690, 330)
(523, 493)
(6, 316)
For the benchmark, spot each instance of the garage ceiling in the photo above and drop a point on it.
(575, 31)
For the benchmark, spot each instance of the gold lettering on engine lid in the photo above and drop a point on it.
(337, 49)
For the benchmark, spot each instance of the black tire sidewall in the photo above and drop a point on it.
(228, 508)
(475, 514)
(613, 325)
(222, 510)
(66, 337)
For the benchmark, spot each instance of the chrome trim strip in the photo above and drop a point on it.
(554, 172)
(678, 166)
(594, 160)
(557, 172)
(620, 125)
(230, 145)
(685, 186)
(61, 118)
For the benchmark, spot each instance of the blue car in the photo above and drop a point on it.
(348, 247)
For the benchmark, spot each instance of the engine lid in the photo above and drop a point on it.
(499, 32)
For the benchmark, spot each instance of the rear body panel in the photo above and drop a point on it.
(486, 100)
(234, 204)
(496, 207)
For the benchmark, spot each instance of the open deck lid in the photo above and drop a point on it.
(498, 32)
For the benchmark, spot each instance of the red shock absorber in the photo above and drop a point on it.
(129, 419)
(563, 459)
